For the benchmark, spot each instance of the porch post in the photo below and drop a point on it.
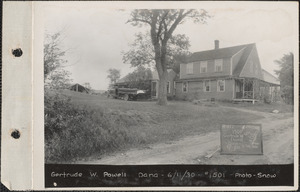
(253, 84)
(243, 88)
(233, 89)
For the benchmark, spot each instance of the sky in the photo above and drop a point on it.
(96, 33)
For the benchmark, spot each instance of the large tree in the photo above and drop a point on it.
(162, 24)
(178, 59)
(55, 76)
(286, 77)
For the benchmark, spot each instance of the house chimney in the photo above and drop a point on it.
(216, 44)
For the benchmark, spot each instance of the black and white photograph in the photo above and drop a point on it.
(150, 95)
(208, 83)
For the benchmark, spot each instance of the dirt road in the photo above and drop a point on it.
(278, 146)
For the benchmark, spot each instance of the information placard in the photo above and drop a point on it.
(243, 139)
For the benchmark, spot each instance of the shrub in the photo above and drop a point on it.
(287, 93)
(59, 113)
(73, 131)
(171, 98)
(266, 97)
(185, 98)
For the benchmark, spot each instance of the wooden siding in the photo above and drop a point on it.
(236, 58)
(210, 69)
(196, 90)
(252, 68)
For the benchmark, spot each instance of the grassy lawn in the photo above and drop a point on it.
(111, 125)
(184, 116)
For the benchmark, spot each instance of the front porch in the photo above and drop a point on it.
(253, 90)
(244, 100)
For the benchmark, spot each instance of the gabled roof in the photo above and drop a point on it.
(241, 63)
(216, 53)
(229, 52)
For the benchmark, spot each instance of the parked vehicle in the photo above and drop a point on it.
(125, 93)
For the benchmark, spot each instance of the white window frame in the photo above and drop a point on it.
(218, 87)
(204, 87)
(190, 68)
(218, 62)
(187, 86)
(169, 87)
(203, 64)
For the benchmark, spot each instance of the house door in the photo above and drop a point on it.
(153, 89)
(238, 89)
(248, 89)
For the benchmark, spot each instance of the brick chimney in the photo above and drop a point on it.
(216, 44)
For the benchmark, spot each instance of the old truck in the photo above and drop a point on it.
(125, 93)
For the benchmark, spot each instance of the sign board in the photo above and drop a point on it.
(244, 139)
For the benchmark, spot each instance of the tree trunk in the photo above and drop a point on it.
(162, 88)
(160, 50)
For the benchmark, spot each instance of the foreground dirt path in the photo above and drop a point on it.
(278, 136)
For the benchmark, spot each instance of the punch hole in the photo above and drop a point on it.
(17, 52)
(16, 134)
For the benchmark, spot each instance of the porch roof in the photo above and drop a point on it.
(269, 78)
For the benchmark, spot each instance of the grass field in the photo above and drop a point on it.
(105, 125)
